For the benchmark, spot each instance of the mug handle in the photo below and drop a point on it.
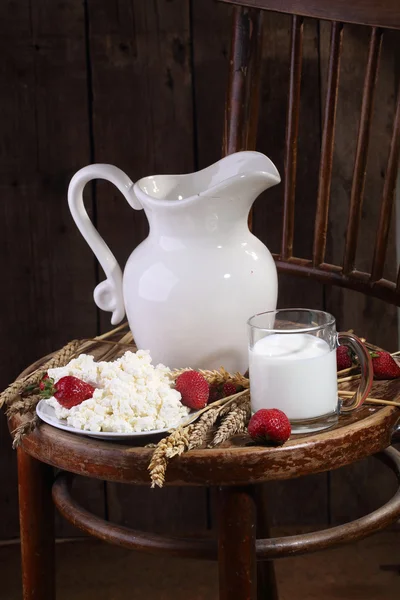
(108, 294)
(348, 339)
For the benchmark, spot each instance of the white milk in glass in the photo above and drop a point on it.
(295, 372)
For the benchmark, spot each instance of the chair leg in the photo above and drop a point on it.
(266, 578)
(36, 515)
(237, 544)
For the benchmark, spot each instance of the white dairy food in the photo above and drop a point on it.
(131, 395)
(295, 373)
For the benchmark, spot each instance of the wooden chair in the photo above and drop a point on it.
(241, 129)
(364, 434)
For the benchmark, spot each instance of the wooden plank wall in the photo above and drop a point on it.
(142, 85)
(44, 139)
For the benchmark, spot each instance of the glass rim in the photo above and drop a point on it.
(330, 320)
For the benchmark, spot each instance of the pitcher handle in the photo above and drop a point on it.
(108, 294)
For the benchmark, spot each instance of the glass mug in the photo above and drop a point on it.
(292, 366)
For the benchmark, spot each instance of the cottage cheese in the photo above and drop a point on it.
(131, 395)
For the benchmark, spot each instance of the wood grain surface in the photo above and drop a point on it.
(45, 138)
(384, 13)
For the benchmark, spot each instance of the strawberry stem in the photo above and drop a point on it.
(49, 388)
(31, 388)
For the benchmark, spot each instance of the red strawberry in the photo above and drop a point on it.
(193, 388)
(385, 367)
(42, 384)
(229, 389)
(269, 425)
(344, 359)
(69, 391)
(215, 393)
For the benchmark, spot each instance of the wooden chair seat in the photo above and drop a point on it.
(236, 462)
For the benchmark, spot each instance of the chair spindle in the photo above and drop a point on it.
(292, 129)
(398, 282)
(241, 114)
(387, 201)
(328, 136)
(360, 164)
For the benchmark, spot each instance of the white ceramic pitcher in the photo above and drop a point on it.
(189, 288)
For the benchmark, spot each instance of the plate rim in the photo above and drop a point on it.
(58, 424)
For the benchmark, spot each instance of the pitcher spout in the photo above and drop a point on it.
(241, 175)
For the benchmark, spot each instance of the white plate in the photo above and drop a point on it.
(48, 415)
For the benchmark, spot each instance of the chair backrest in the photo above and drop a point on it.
(241, 118)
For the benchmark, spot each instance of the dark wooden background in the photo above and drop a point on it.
(141, 84)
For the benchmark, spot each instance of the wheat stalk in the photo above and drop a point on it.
(126, 340)
(203, 427)
(222, 402)
(23, 405)
(27, 427)
(13, 394)
(217, 377)
(344, 372)
(350, 378)
(382, 401)
(173, 445)
(190, 436)
(234, 422)
(235, 401)
(59, 359)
